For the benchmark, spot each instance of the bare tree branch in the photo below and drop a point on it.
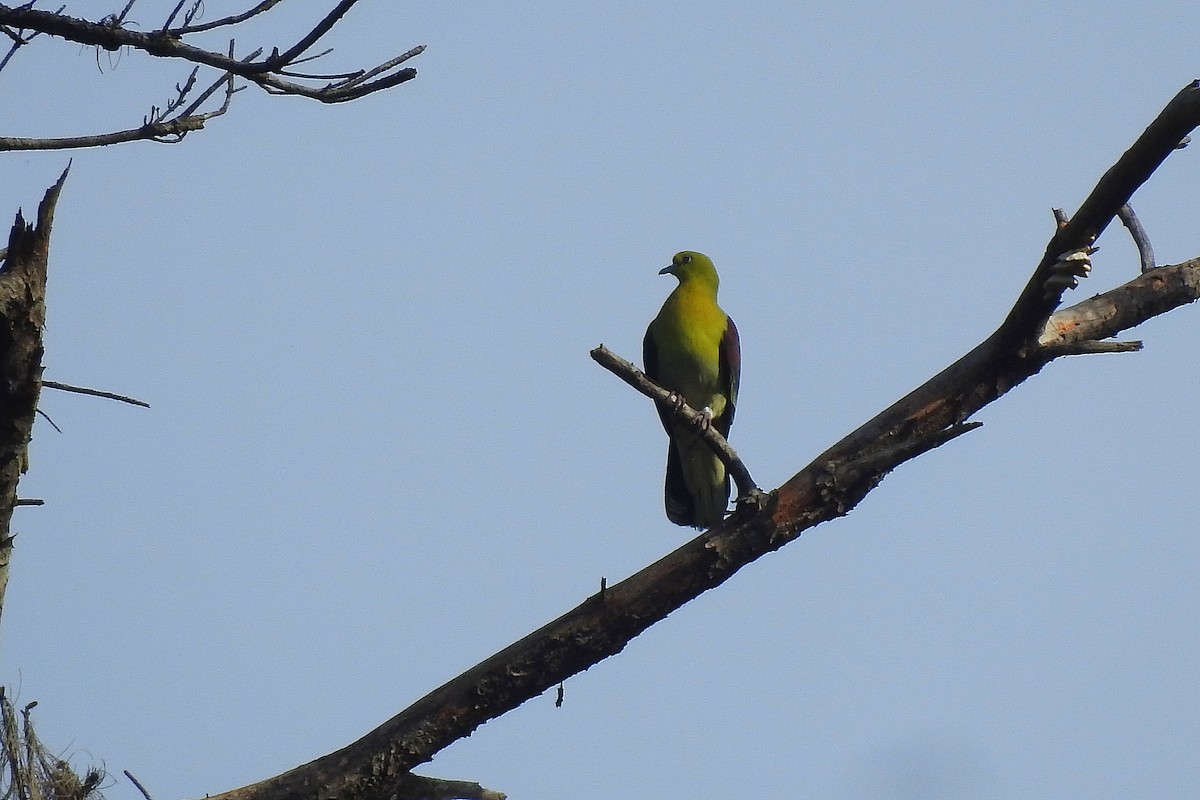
(170, 131)
(1092, 348)
(1156, 292)
(373, 767)
(19, 40)
(1140, 238)
(129, 774)
(278, 60)
(274, 74)
(235, 19)
(66, 387)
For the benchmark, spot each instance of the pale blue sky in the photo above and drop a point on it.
(378, 451)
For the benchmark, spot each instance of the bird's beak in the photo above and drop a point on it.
(668, 270)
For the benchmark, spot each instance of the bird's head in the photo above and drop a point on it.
(689, 266)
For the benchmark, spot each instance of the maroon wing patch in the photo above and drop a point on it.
(730, 375)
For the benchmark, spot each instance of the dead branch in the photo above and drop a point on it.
(138, 784)
(234, 19)
(1030, 337)
(273, 73)
(22, 317)
(1140, 238)
(66, 387)
(1129, 305)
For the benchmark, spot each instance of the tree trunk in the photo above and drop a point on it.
(22, 316)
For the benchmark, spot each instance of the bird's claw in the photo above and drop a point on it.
(1067, 270)
(703, 420)
(754, 500)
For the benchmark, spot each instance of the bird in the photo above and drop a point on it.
(692, 349)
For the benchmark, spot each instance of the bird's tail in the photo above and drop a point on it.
(697, 486)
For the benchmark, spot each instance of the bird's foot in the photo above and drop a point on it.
(704, 421)
(754, 500)
(1067, 270)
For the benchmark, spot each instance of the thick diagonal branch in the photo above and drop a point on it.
(1011, 354)
(830, 486)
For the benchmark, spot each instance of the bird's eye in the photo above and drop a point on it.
(685, 260)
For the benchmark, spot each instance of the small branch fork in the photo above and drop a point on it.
(829, 487)
(182, 115)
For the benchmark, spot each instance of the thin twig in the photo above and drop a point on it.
(1089, 348)
(174, 13)
(47, 418)
(181, 92)
(227, 81)
(30, 501)
(412, 785)
(17, 43)
(65, 387)
(31, 752)
(138, 784)
(354, 80)
(224, 21)
(315, 76)
(124, 12)
(20, 39)
(279, 60)
(1131, 221)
